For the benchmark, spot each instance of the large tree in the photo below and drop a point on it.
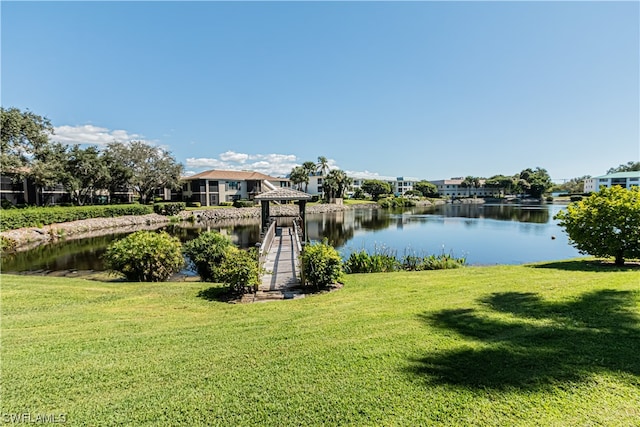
(309, 168)
(426, 188)
(375, 188)
(471, 182)
(23, 134)
(574, 185)
(323, 165)
(505, 183)
(534, 182)
(629, 167)
(336, 183)
(151, 168)
(299, 176)
(47, 168)
(606, 224)
(87, 172)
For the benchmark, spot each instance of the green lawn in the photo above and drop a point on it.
(552, 345)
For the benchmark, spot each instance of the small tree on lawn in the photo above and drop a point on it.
(206, 253)
(145, 256)
(239, 270)
(606, 224)
(321, 264)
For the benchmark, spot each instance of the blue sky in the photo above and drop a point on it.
(429, 90)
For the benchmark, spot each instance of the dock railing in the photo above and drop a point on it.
(297, 246)
(266, 244)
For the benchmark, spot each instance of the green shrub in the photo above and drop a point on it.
(5, 204)
(432, 262)
(226, 203)
(169, 208)
(358, 194)
(396, 202)
(363, 262)
(194, 204)
(244, 203)
(7, 244)
(239, 270)
(575, 198)
(145, 256)
(321, 264)
(39, 216)
(206, 253)
(382, 261)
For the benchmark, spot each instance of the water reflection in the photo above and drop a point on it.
(486, 234)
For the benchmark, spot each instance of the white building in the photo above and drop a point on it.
(399, 185)
(212, 187)
(623, 179)
(453, 188)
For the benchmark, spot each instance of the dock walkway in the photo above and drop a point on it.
(281, 277)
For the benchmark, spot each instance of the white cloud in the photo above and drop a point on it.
(90, 134)
(270, 164)
(232, 156)
(369, 175)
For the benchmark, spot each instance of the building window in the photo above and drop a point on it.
(233, 185)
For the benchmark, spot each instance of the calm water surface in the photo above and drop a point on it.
(484, 234)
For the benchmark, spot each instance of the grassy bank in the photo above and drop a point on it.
(555, 344)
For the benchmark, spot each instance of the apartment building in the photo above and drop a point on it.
(453, 188)
(212, 187)
(623, 179)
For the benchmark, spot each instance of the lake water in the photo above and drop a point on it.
(484, 234)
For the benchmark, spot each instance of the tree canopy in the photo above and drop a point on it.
(606, 224)
(23, 134)
(426, 189)
(376, 188)
(336, 183)
(151, 168)
(534, 182)
(628, 167)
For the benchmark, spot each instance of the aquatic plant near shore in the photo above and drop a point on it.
(386, 261)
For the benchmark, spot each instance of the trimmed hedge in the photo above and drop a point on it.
(243, 203)
(37, 217)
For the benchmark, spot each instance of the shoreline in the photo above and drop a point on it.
(29, 237)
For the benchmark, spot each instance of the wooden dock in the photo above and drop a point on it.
(280, 263)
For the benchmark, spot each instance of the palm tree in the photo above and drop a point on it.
(336, 183)
(322, 165)
(309, 168)
(467, 183)
(298, 176)
(471, 181)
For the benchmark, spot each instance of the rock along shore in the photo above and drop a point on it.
(26, 238)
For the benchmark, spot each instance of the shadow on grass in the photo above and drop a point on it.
(547, 343)
(587, 265)
(218, 293)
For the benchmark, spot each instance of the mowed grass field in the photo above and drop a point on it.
(556, 344)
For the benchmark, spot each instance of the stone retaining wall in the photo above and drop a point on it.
(25, 238)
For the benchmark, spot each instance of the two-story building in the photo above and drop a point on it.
(453, 188)
(623, 179)
(212, 187)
